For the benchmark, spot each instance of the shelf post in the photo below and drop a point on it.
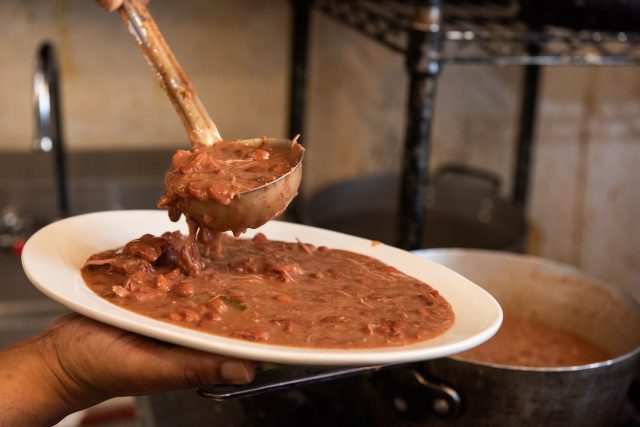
(300, 22)
(423, 61)
(525, 134)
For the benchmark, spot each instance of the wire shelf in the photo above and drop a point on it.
(491, 34)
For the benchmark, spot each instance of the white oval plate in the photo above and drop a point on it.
(52, 259)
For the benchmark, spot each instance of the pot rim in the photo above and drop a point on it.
(532, 259)
(613, 361)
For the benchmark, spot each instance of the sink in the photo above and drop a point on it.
(97, 181)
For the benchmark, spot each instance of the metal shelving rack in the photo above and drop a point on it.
(431, 33)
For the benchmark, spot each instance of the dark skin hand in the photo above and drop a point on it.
(78, 362)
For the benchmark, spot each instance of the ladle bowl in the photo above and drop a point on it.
(251, 208)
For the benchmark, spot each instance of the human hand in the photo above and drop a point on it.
(111, 5)
(78, 362)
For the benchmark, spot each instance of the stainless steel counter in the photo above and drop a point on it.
(97, 181)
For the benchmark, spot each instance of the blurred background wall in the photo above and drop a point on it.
(584, 202)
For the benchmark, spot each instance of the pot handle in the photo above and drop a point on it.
(271, 378)
(446, 400)
(408, 388)
(416, 396)
(491, 178)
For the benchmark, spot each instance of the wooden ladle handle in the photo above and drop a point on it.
(196, 120)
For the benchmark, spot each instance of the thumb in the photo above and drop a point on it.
(110, 5)
(180, 367)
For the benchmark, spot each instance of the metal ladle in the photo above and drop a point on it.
(249, 209)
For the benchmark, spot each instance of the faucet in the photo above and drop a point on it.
(48, 119)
